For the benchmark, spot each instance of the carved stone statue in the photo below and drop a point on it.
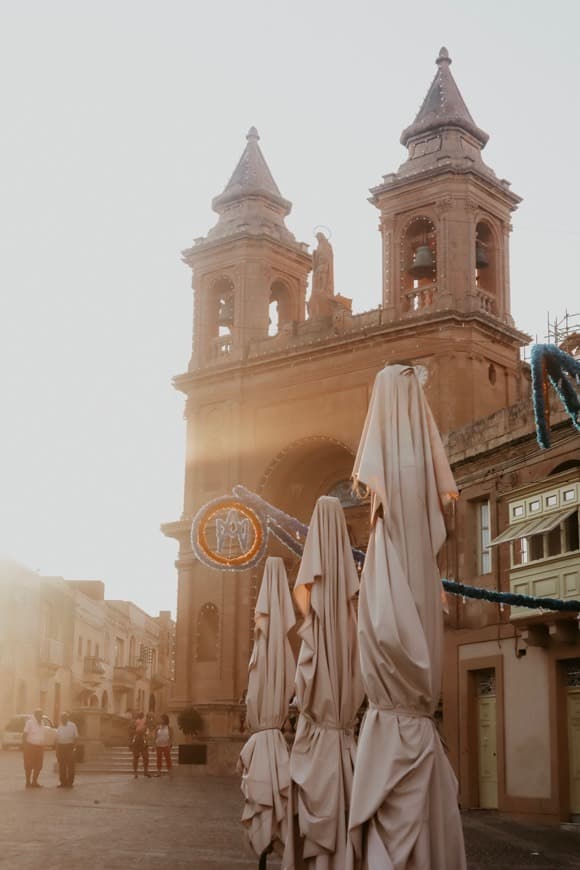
(321, 298)
(323, 268)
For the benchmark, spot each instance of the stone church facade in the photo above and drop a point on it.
(276, 395)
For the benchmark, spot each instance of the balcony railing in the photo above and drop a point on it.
(159, 680)
(136, 664)
(93, 668)
(419, 299)
(220, 347)
(553, 577)
(123, 678)
(486, 301)
(51, 654)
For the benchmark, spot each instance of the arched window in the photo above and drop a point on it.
(208, 633)
(486, 265)
(418, 264)
(344, 492)
(223, 304)
(105, 702)
(151, 703)
(280, 308)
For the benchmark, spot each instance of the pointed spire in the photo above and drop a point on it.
(443, 107)
(251, 177)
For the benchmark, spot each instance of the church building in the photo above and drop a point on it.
(277, 389)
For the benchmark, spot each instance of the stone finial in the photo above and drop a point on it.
(443, 107)
(253, 135)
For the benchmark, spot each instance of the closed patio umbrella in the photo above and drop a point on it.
(264, 759)
(329, 693)
(404, 813)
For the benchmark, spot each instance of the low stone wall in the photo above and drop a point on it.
(222, 757)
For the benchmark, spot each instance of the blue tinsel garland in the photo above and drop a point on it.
(551, 364)
(291, 532)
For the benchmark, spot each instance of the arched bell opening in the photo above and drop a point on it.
(280, 307)
(221, 316)
(486, 264)
(418, 264)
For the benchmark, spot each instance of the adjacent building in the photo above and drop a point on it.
(64, 646)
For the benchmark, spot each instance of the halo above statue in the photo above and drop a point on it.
(326, 231)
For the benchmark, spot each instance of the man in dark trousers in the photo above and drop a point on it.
(33, 749)
(66, 737)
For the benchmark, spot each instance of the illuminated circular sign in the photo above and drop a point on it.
(228, 535)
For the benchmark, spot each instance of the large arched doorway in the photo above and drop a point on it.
(303, 472)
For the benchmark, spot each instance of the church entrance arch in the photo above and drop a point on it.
(304, 471)
(309, 468)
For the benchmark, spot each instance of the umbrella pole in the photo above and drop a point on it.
(264, 858)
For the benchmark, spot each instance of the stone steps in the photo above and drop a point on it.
(119, 759)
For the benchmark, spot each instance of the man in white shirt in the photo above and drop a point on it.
(33, 749)
(66, 737)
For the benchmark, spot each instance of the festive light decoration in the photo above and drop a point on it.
(551, 365)
(249, 545)
(227, 534)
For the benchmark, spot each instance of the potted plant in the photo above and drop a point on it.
(190, 723)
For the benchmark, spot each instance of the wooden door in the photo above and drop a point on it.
(573, 692)
(487, 740)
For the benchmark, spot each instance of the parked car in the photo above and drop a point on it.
(12, 733)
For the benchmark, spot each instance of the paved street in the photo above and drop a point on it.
(110, 822)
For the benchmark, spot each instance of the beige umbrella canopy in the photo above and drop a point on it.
(404, 813)
(329, 693)
(264, 759)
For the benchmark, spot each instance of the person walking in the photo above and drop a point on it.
(138, 743)
(33, 749)
(163, 743)
(66, 737)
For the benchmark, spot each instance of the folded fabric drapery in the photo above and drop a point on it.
(329, 694)
(404, 813)
(264, 760)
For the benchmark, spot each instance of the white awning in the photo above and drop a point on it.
(537, 526)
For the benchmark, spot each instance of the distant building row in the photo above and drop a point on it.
(64, 647)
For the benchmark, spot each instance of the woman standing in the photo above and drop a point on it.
(138, 744)
(163, 743)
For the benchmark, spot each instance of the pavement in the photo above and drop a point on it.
(111, 821)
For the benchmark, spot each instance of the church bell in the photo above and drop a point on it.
(226, 311)
(423, 262)
(481, 258)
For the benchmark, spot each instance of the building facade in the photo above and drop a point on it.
(277, 389)
(65, 647)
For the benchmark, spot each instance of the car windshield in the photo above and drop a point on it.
(16, 724)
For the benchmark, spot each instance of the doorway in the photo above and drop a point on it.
(573, 723)
(487, 739)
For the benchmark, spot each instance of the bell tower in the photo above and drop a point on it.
(249, 272)
(445, 216)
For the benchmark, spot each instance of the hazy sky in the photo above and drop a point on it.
(121, 120)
